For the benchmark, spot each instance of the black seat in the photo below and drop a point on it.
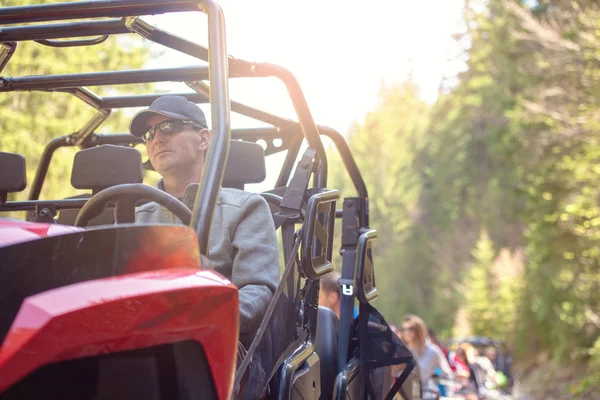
(245, 164)
(98, 168)
(13, 178)
(104, 166)
(68, 216)
(326, 344)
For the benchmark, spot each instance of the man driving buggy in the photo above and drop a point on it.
(243, 243)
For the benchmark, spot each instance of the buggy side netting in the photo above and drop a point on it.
(278, 336)
(378, 347)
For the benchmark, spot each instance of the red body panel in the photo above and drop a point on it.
(160, 296)
(123, 313)
(14, 231)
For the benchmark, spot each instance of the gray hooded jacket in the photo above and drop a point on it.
(242, 247)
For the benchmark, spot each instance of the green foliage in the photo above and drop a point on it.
(519, 147)
(559, 124)
(511, 149)
(479, 291)
(590, 383)
(29, 120)
(491, 290)
(387, 148)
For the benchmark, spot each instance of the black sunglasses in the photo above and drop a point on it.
(168, 127)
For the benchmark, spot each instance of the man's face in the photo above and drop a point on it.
(170, 153)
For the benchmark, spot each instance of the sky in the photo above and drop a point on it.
(341, 52)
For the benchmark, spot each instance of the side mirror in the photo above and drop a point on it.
(365, 272)
(318, 234)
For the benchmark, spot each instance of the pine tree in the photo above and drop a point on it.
(479, 294)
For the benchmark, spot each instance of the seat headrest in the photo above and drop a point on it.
(245, 164)
(108, 165)
(14, 174)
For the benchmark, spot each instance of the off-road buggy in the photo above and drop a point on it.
(97, 307)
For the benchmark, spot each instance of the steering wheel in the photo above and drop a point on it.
(125, 197)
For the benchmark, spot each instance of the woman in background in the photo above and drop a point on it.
(429, 357)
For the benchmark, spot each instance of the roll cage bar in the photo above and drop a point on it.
(124, 18)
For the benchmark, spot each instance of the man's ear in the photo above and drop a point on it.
(333, 297)
(204, 139)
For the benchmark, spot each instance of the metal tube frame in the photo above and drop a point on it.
(159, 36)
(290, 159)
(307, 123)
(7, 49)
(216, 156)
(126, 139)
(64, 30)
(73, 42)
(42, 170)
(238, 68)
(110, 78)
(216, 52)
(353, 171)
(87, 96)
(32, 205)
(93, 9)
(78, 137)
(144, 100)
(246, 134)
(204, 90)
(120, 139)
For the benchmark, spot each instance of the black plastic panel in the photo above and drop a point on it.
(12, 173)
(107, 165)
(178, 371)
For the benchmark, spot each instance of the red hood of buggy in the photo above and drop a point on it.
(123, 313)
(15, 231)
(162, 297)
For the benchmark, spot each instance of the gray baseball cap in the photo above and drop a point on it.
(176, 107)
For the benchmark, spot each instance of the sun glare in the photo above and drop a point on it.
(340, 51)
